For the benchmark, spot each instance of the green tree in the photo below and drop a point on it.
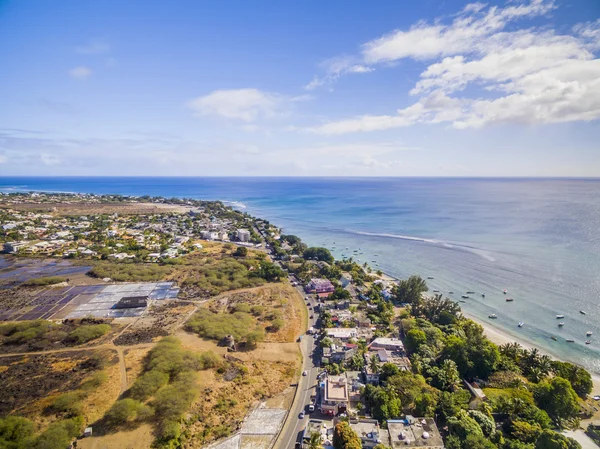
(580, 379)
(15, 432)
(463, 425)
(241, 251)
(446, 376)
(554, 440)
(316, 441)
(476, 441)
(558, 398)
(409, 290)
(414, 339)
(126, 411)
(345, 438)
(318, 253)
(383, 401)
(326, 342)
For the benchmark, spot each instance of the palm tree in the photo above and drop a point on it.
(374, 363)
(315, 441)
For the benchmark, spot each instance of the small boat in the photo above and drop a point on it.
(483, 295)
(554, 338)
(461, 300)
(509, 299)
(450, 293)
(582, 312)
(436, 291)
(558, 317)
(429, 277)
(470, 293)
(570, 340)
(493, 316)
(561, 324)
(588, 333)
(504, 291)
(521, 323)
(465, 296)
(588, 342)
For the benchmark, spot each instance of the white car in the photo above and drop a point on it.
(301, 415)
(304, 373)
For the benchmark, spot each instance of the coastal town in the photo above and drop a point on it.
(265, 341)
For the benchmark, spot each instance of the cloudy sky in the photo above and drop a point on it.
(310, 88)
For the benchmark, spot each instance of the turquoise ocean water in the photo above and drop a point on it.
(537, 238)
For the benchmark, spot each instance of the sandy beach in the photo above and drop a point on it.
(500, 337)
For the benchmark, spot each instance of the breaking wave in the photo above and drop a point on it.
(452, 246)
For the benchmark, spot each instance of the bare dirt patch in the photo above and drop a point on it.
(139, 438)
(159, 320)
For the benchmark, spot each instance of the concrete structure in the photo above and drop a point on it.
(345, 279)
(397, 358)
(243, 235)
(415, 433)
(13, 247)
(369, 432)
(343, 333)
(131, 302)
(334, 395)
(391, 344)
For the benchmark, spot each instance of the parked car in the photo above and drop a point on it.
(304, 373)
(301, 415)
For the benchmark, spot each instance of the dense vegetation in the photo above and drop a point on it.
(535, 393)
(238, 322)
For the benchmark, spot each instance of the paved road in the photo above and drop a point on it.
(306, 387)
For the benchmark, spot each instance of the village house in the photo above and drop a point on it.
(243, 235)
(343, 333)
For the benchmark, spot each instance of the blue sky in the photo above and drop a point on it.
(312, 88)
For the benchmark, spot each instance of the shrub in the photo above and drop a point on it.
(216, 326)
(148, 384)
(49, 280)
(59, 434)
(67, 403)
(15, 432)
(94, 381)
(127, 411)
(277, 324)
(88, 332)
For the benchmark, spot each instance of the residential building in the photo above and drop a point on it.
(391, 344)
(339, 353)
(371, 377)
(369, 432)
(319, 286)
(334, 395)
(343, 333)
(396, 358)
(414, 433)
(345, 279)
(243, 235)
(319, 427)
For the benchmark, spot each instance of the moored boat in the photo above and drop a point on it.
(470, 293)
(554, 338)
(493, 316)
(521, 323)
(504, 291)
(429, 277)
(483, 295)
(582, 312)
(588, 342)
(464, 296)
(570, 340)
(509, 299)
(588, 333)
(558, 317)
(561, 324)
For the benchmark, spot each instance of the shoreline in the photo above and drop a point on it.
(500, 337)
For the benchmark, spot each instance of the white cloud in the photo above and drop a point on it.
(531, 76)
(425, 41)
(242, 104)
(336, 67)
(80, 72)
(93, 47)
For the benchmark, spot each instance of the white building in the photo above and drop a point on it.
(391, 344)
(343, 333)
(243, 235)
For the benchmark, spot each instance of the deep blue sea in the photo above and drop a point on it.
(537, 238)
